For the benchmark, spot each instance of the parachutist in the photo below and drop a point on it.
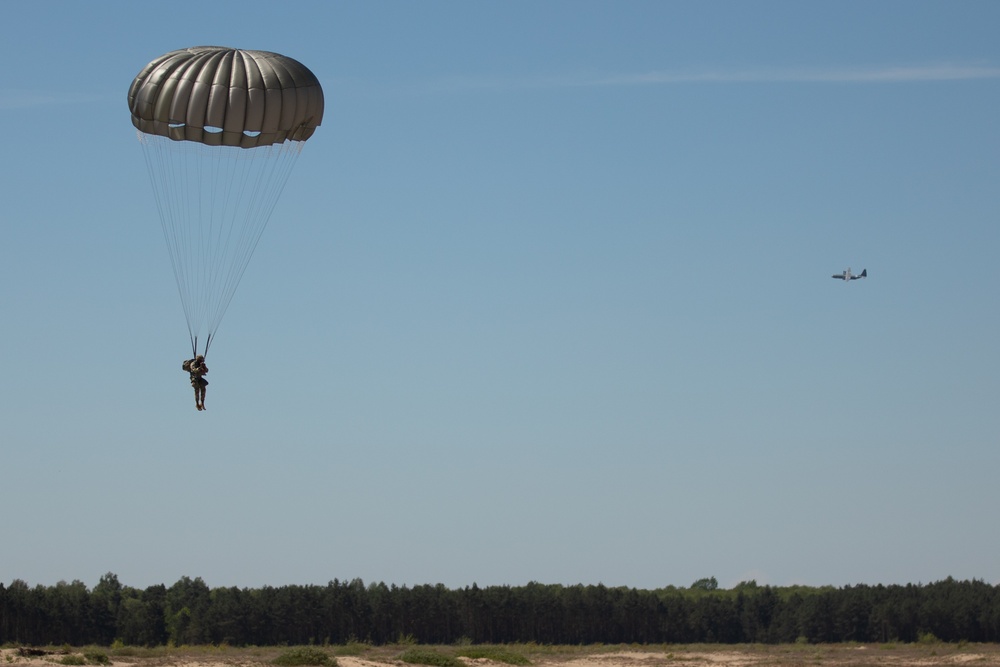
(197, 368)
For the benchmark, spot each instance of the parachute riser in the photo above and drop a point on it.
(194, 346)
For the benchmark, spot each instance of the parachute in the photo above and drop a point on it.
(221, 129)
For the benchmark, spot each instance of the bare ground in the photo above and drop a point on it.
(694, 655)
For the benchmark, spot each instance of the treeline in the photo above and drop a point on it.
(189, 612)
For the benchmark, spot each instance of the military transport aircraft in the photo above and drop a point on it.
(847, 276)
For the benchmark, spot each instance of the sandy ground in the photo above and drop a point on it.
(849, 655)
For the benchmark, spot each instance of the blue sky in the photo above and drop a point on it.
(547, 298)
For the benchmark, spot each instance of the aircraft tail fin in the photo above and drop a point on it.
(864, 273)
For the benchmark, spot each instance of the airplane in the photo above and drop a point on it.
(846, 276)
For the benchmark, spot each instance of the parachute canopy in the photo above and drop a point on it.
(221, 130)
(226, 97)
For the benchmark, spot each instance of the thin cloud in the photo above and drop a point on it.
(859, 75)
(931, 73)
(28, 99)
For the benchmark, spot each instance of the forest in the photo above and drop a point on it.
(191, 613)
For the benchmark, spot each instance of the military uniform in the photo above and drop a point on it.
(196, 368)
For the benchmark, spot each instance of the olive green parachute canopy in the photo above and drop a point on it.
(226, 97)
(220, 130)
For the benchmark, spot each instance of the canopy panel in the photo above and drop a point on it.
(220, 96)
